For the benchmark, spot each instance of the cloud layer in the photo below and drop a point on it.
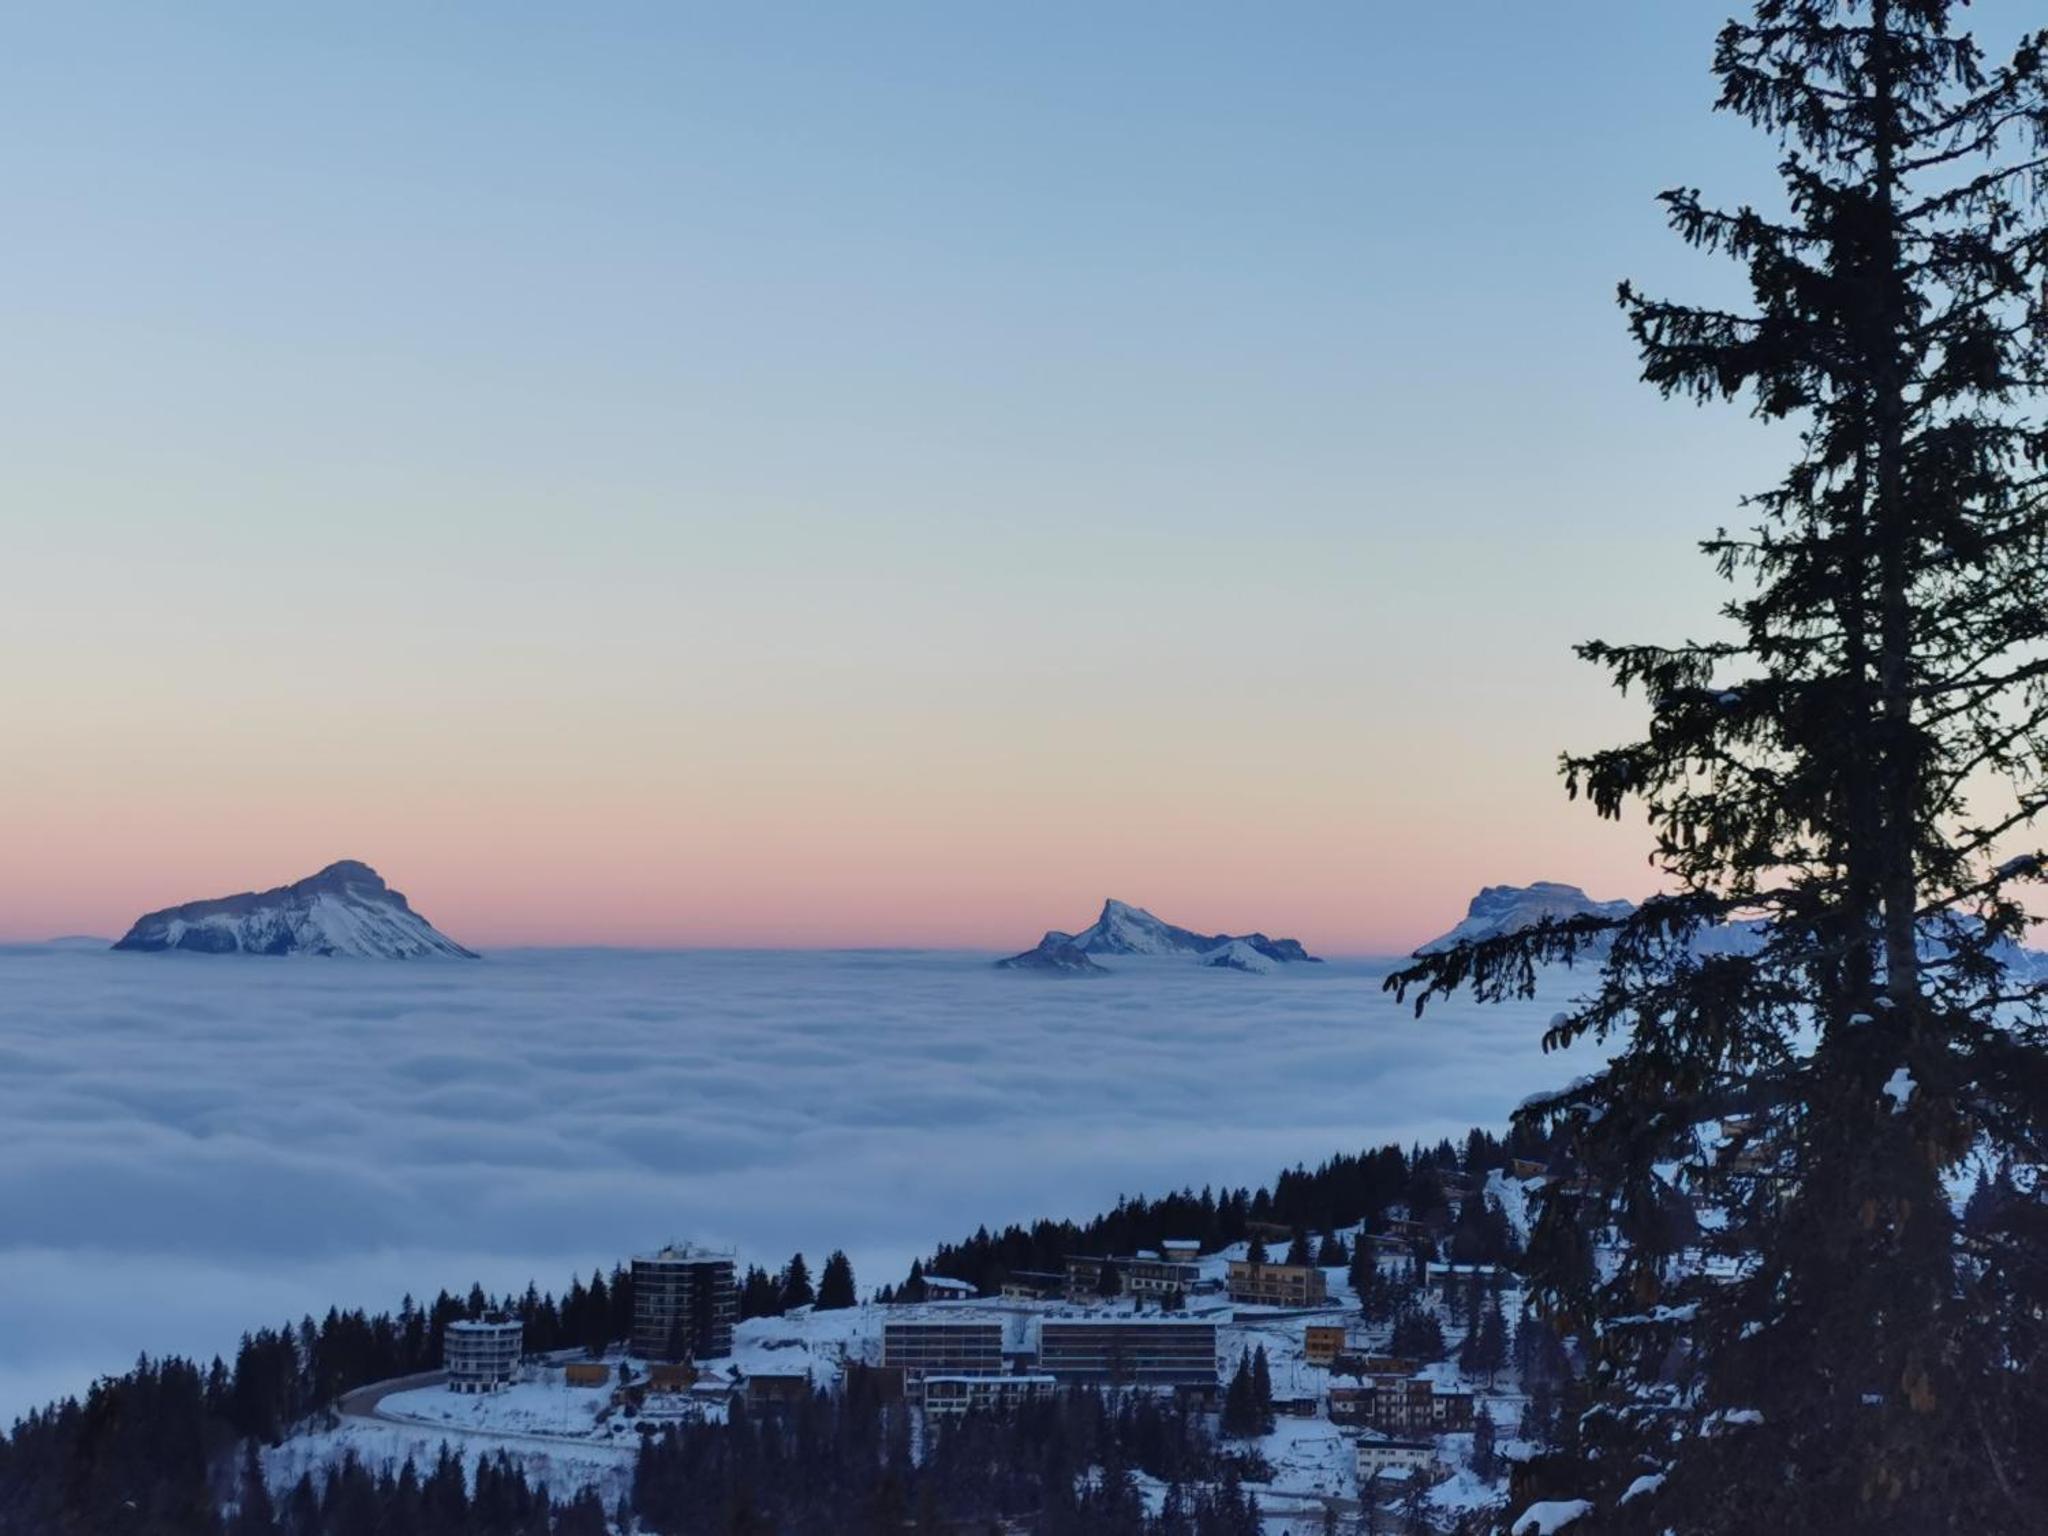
(198, 1145)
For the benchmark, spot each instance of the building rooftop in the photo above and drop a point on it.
(686, 1253)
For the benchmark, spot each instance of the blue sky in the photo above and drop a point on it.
(711, 453)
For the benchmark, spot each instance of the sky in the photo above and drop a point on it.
(822, 475)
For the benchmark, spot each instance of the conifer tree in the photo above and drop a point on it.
(1363, 1274)
(253, 1513)
(760, 1294)
(1240, 1417)
(835, 1283)
(1262, 1390)
(1485, 1452)
(1850, 776)
(796, 1284)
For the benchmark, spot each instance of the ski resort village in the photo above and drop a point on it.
(1357, 1379)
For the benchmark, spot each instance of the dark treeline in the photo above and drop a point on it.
(352, 1501)
(1060, 1467)
(766, 1295)
(152, 1451)
(1341, 1193)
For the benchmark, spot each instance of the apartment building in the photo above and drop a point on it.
(1277, 1285)
(481, 1355)
(932, 1346)
(685, 1302)
(1129, 1351)
(1402, 1405)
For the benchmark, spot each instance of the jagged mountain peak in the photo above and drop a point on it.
(1123, 928)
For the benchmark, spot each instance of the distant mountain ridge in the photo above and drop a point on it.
(1503, 909)
(1499, 909)
(345, 909)
(1122, 929)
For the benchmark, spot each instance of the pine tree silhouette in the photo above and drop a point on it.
(1850, 774)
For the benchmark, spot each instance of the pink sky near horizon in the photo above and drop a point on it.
(753, 856)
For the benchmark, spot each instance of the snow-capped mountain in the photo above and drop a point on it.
(1239, 955)
(1122, 929)
(346, 909)
(1500, 909)
(1054, 960)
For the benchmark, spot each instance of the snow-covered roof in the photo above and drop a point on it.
(1550, 1517)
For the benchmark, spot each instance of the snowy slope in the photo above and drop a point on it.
(1503, 909)
(1237, 955)
(1500, 909)
(346, 909)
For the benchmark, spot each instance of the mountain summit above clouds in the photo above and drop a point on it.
(1122, 929)
(1500, 909)
(346, 909)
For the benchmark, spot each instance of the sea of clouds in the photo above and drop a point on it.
(195, 1145)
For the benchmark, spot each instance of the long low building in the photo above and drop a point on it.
(1128, 1351)
(1139, 1274)
(948, 1397)
(1380, 1456)
(942, 1347)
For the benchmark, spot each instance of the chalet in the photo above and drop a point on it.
(1033, 1285)
(1277, 1285)
(1409, 1457)
(1322, 1343)
(678, 1376)
(777, 1392)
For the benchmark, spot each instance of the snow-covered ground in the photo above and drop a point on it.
(563, 1466)
(573, 1436)
(196, 1144)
